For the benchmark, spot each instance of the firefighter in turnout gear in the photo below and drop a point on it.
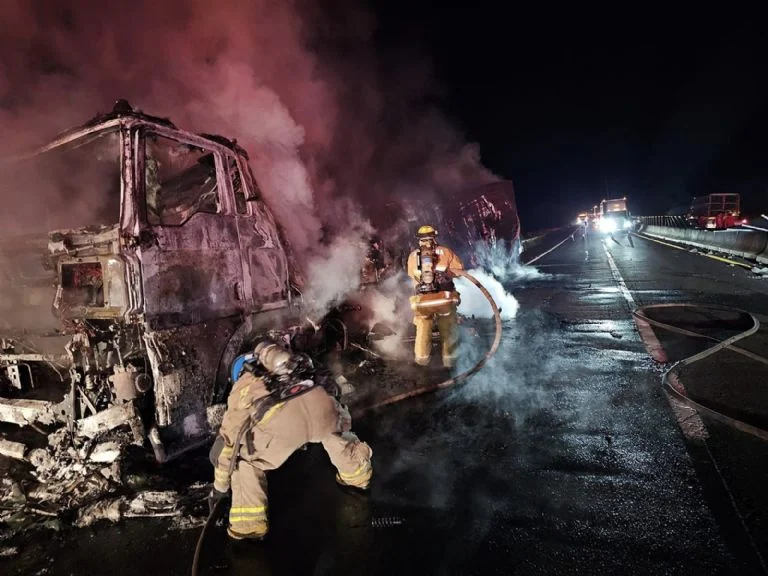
(279, 403)
(436, 298)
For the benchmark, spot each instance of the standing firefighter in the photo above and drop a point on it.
(278, 404)
(436, 297)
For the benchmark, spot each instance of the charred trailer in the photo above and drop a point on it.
(137, 261)
(482, 225)
(714, 211)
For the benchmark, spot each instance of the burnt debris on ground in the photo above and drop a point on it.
(67, 478)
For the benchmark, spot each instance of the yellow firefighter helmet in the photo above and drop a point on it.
(426, 231)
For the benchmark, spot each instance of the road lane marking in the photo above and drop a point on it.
(688, 418)
(691, 424)
(647, 335)
(688, 250)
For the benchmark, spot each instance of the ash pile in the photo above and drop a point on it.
(67, 480)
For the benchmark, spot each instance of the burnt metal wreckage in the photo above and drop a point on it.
(149, 262)
(149, 306)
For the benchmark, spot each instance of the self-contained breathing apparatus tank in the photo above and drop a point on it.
(426, 259)
(436, 293)
(285, 373)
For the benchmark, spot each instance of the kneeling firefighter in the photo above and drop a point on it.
(436, 298)
(279, 403)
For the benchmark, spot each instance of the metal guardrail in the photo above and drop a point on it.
(742, 242)
(667, 221)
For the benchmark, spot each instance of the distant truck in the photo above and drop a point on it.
(614, 216)
(714, 211)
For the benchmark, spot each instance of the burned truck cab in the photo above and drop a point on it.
(154, 262)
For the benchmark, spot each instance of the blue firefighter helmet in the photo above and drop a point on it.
(238, 365)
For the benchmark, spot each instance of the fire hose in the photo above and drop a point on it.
(669, 379)
(203, 534)
(676, 390)
(458, 379)
(215, 508)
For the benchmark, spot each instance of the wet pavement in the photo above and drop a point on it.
(562, 457)
(732, 466)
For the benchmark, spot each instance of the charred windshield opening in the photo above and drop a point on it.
(180, 181)
(75, 185)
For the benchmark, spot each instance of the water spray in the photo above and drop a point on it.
(460, 378)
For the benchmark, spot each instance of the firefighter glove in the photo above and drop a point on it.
(214, 497)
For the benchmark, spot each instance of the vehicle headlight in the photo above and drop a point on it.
(607, 225)
(627, 224)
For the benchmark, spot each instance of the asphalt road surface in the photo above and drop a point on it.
(564, 456)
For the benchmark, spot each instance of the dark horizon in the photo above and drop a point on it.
(574, 107)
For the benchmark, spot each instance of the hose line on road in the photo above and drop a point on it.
(232, 463)
(675, 388)
(458, 379)
(392, 400)
(203, 534)
(670, 377)
(555, 247)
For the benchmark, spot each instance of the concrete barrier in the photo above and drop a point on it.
(744, 243)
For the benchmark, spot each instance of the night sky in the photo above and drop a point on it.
(575, 106)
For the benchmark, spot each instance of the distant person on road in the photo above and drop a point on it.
(436, 300)
(278, 404)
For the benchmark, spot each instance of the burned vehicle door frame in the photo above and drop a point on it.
(193, 280)
(265, 265)
(208, 279)
(266, 269)
(192, 270)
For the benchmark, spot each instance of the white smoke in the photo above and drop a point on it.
(474, 303)
(388, 300)
(390, 308)
(393, 347)
(334, 275)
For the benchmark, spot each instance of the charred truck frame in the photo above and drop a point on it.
(138, 315)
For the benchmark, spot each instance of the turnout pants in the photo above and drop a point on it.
(308, 418)
(449, 336)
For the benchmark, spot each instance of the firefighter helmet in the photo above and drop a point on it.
(426, 231)
(273, 358)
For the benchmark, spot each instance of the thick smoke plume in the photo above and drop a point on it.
(301, 85)
(334, 274)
